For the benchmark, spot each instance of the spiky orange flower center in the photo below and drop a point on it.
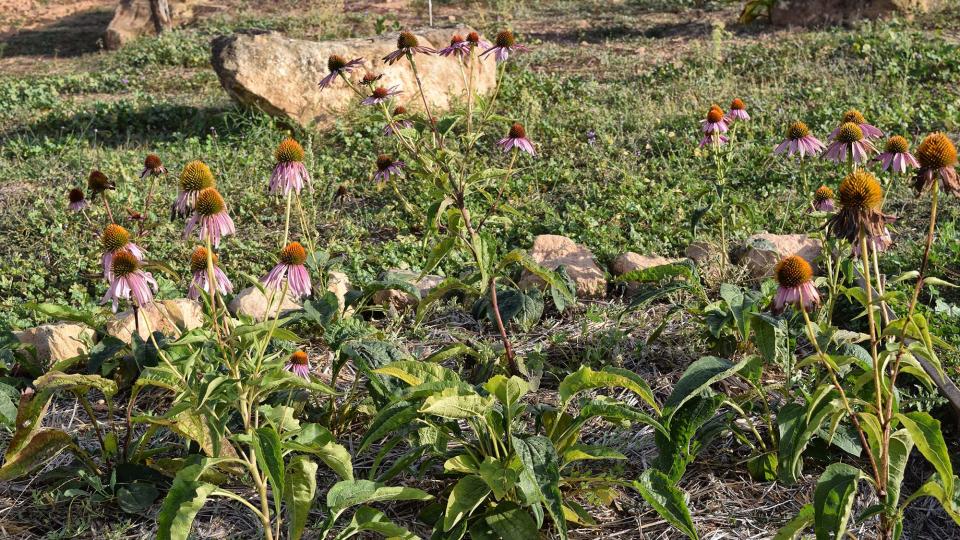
(336, 63)
(737, 104)
(198, 260)
(293, 254)
(299, 358)
(897, 145)
(854, 116)
(124, 263)
(407, 40)
(114, 237)
(289, 151)
(797, 130)
(457, 38)
(823, 193)
(196, 176)
(399, 110)
(380, 92)
(152, 162)
(384, 161)
(714, 116)
(936, 152)
(517, 131)
(850, 133)
(860, 191)
(505, 39)
(97, 181)
(793, 271)
(473, 37)
(209, 202)
(75, 195)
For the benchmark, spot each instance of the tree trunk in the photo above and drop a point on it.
(160, 11)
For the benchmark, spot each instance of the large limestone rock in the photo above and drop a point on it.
(339, 284)
(399, 300)
(280, 75)
(135, 18)
(152, 318)
(811, 12)
(58, 341)
(761, 252)
(185, 313)
(553, 251)
(630, 261)
(253, 303)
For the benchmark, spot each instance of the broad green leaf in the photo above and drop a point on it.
(833, 500)
(414, 372)
(794, 528)
(507, 522)
(540, 457)
(74, 382)
(62, 313)
(367, 519)
(677, 450)
(464, 463)
(468, 493)
(270, 458)
(30, 411)
(667, 499)
(798, 424)
(347, 493)
(437, 253)
(41, 447)
(395, 416)
(161, 377)
(609, 377)
(298, 492)
(612, 411)
(317, 440)
(508, 391)
(901, 444)
(456, 404)
(934, 488)
(699, 376)
(927, 435)
(452, 351)
(580, 452)
(499, 477)
(185, 498)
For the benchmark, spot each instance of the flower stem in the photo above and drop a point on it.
(426, 106)
(146, 205)
(286, 222)
(106, 203)
(470, 90)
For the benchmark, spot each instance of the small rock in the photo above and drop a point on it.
(152, 318)
(57, 341)
(761, 252)
(630, 261)
(553, 251)
(400, 300)
(187, 314)
(252, 303)
(134, 18)
(699, 252)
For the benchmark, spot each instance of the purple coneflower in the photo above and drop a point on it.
(291, 266)
(517, 138)
(116, 239)
(849, 139)
(474, 39)
(289, 174)
(860, 200)
(386, 166)
(380, 95)
(896, 155)
(738, 111)
(714, 125)
(128, 281)
(369, 78)
(857, 118)
(937, 156)
(210, 218)
(799, 141)
(406, 44)
(823, 199)
(399, 121)
(98, 182)
(76, 200)
(795, 279)
(201, 275)
(504, 44)
(299, 364)
(194, 178)
(458, 47)
(338, 66)
(152, 166)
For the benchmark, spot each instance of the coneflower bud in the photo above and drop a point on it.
(293, 254)
(793, 271)
(797, 130)
(897, 145)
(299, 358)
(152, 163)
(98, 182)
(75, 196)
(714, 116)
(473, 37)
(822, 194)
(370, 78)
(407, 40)
(399, 110)
(860, 191)
(505, 39)
(380, 92)
(114, 237)
(737, 104)
(849, 133)
(289, 151)
(384, 161)
(457, 38)
(198, 260)
(517, 131)
(124, 263)
(936, 152)
(336, 62)
(209, 202)
(854, 116)
(196, 176)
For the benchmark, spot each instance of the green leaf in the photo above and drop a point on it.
(833, 500)
(507, 522)
(456, 404)
(468, 493)
(317, 440)
(62, 313)
(616, 412)
(185, 498)
(580, 452)
(395, 416)
(43, 446)
(798, 424)
(794, 528)
(74, 382)
(901, 444)
(927, 435)
(298, 492)
(609, 377)
(499, 476)
(508, 391)
(136, 497)
(414, 372)
(677, 450)
(347, 493)
(270, 459)
(437, 253)
(669, 502)
(540, 457)
(699, 376)
(367, 519)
